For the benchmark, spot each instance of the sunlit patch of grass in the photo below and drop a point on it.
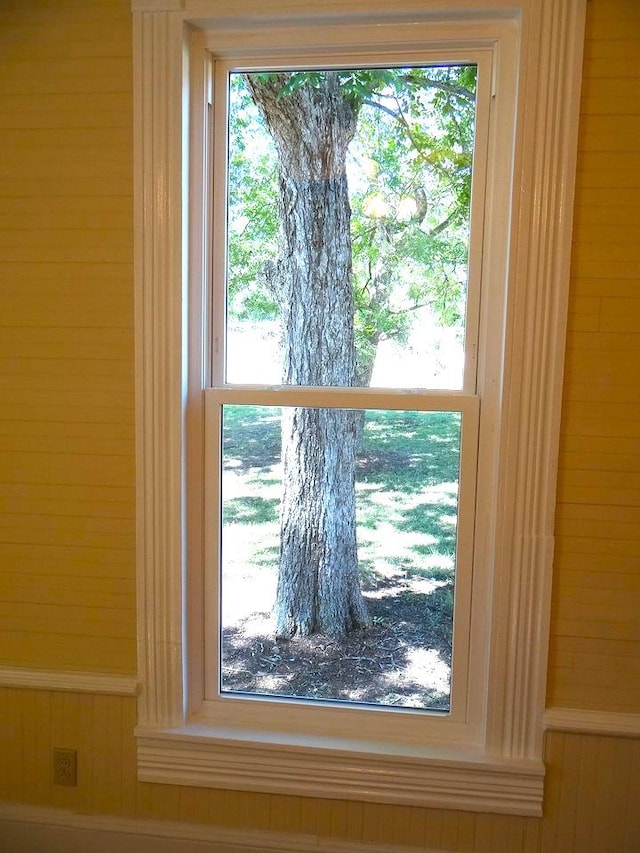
(385, 545)
(406, 451)
(424, 667)
(406, 497)
(267, 557)
(272, 683)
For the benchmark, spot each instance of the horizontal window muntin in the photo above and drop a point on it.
(355, 398)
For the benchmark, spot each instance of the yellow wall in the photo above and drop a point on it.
(67, 466)
(595, 648)
(66, 345)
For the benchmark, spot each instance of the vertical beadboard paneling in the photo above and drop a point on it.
(67, 596)
(595, 640)
(590, 807)
(12, 735)
(107, 750)
(36, 743)
(593, 794)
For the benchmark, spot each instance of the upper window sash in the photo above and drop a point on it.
(218, 74)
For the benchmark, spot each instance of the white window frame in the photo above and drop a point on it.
(491, 759)
(466, 694)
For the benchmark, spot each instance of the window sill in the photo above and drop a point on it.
(339, 769)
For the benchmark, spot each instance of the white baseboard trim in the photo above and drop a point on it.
(27, 828)
(573, 720)
(76, 682)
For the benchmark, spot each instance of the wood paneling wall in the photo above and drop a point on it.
(67, 591)
(595, 634)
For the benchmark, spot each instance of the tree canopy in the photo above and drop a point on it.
(409, 170)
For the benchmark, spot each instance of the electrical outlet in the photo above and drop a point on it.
(65, 767)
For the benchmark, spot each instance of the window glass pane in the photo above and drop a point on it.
(348, 226)
(339, 533)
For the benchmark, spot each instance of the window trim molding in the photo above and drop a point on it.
(339, 771)
(505, 773)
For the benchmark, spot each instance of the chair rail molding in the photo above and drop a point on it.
(68, 681)
(578, 721)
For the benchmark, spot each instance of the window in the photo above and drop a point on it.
(343, 269)
(213, 426)
(345, 521)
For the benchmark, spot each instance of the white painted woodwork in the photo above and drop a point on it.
(499, 765)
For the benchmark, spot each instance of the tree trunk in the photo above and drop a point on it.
(318, 586)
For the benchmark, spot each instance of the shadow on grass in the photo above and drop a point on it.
(251, 509)
(251, 437)
(403, 659)
(431, 521)
(400, 449)
(408, 451)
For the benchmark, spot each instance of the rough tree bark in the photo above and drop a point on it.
(318, 584)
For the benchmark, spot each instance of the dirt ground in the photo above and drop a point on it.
(403, 659)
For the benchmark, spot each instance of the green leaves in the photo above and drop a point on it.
(252, 212)
(357, 84)
(296, 80)
(410, 172)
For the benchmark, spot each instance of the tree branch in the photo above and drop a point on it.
(452, 88)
